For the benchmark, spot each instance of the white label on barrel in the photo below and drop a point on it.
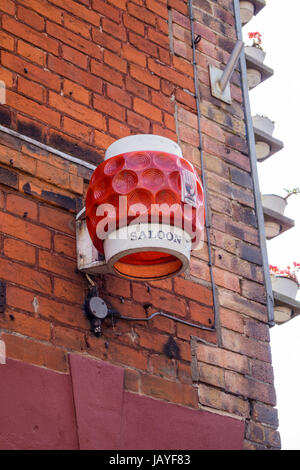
(188, 188)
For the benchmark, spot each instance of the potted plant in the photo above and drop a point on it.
(255, 50)
(278, 203)
(285, 281)
(246, 11)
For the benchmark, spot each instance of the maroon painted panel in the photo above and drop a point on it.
(36, 408)
(98, 397)
(157, 425)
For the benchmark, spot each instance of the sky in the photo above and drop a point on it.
(279, 99)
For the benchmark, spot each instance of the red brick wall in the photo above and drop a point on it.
(79, 75)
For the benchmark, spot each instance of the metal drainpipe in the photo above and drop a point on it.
(200, 148)
(253, 162)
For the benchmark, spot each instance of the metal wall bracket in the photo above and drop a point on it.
(220, 80)
(89, 259)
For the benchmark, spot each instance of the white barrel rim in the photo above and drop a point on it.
(143, 143)
(114, 250)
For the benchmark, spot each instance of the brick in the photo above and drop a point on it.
(24, 276)
(145, 77)
(143, 44)
(163, 366)
(77, 111)
(8, 6)
(56, 264)
(201, 314)
(199, 269)
(20, 251)
(171, 75)
(77, 92)
(107, 73)
(137, 121)
(71, 72)
(231, 320)
(107, 106)
(249, 253)
(106, 41)
(33, 90)
(115, 61)
(211, 375)
(67, 37)
(147, 110)
(113, 29)
(118, 95)
(193, 291)
(214, 398)
(233, 301)
(151, 340)
(171, 391)
(262, 371)
(23, 31)
(33, 109)
(34, 352)
(133, 24)
(31, 53)
(21, 299)
(118, 129)
(103, 140)
(226, 279)
(141, 12)
(257, 330)
(133, 55)
(122, 354)
(117, 286)
(222, 358)
(77, 26)
(106, 10)
(131, 380)
(238, 384)
(160, 299)
(247, 346)
(183, 65)
(74, 56)
(79, 130)
(31, 71)
(57, 219)
(265, 414)
(158, 38)
(45, 9)
(65, 245)
(182, 49)
(68, 338)
(6, 41)
(7, 77)
(253, 291)
(79, 10)
(26, 325)
(71, 315)
(31, 18)
(30, 232)
(45, 172)
(21, 206)
(119, 3)
(69, 291)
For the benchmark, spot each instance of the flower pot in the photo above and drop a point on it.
(272, 229)
(274, 202)
(263, 123)
(256, 53)
(285, 286)
(282, 314)
(254, 78)
(246, 11)
(262, 150)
